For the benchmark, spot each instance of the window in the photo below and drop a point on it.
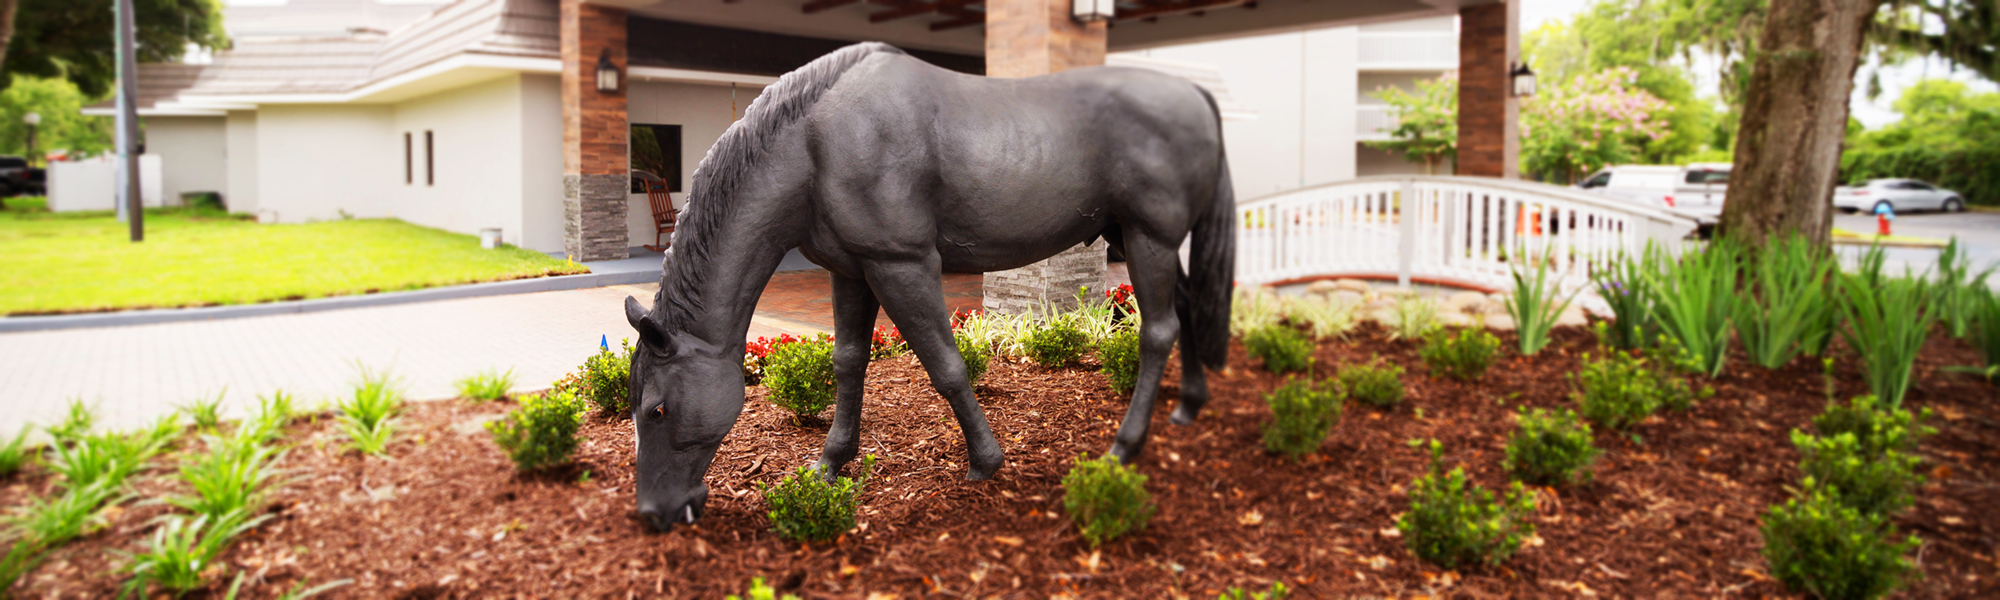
(656, 151)
(409, 161)
(430, 159)
(1706, 176)
(1598, 181)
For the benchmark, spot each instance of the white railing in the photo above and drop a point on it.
(1464, 231)
(1408, 50)
(1374, 121)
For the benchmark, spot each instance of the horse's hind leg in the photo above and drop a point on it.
(1194, 377)
(853, 331)
(1155, 268)
(915, 301)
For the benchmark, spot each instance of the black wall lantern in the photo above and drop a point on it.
(607, 74)
(1523, 80)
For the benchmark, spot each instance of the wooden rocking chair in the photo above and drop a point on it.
(664, 214)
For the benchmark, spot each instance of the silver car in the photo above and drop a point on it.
(1899, 195)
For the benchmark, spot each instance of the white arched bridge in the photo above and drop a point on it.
(1455, 231)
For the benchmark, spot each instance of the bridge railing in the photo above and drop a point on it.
(1466, 231)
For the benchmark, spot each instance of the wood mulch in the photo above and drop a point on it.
(1673, 511)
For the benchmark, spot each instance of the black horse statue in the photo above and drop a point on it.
(887, 172)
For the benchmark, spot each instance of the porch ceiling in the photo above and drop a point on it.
(955, 25)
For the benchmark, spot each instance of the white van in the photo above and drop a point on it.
(1696, 189)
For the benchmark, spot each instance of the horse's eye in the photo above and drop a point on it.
(660, 412)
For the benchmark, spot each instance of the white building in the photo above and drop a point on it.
(452, 115)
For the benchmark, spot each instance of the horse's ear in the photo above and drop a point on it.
(649, 330)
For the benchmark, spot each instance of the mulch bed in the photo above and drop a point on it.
(1673, 511)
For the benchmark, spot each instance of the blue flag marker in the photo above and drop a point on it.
(604, 343)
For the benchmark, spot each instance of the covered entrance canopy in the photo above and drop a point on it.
(694, 39)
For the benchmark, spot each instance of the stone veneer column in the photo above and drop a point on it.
(1025, 38)
(594, 134)
(1488, 113)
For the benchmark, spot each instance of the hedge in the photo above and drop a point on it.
(1974, 173)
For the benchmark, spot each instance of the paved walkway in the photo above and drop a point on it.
(134, 374)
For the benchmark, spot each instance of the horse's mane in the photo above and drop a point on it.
(725, 167)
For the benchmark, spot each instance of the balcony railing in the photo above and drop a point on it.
(1373, 122)
(1408, 51)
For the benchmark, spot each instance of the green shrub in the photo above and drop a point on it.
(1887, 322)
(1782, 308)
(1972, 169)
(1277, 591)
(1833, 551)
(206, 413)
(1106, 498)
(369, 415)
(542, 431)
(1375, 382)
(181, 552)
(800, 376)
(607, 380)
(1453, 522)
(1301, 415)
(1463, 356)
(1878, 484)
(1535, 304)
(1878, 429)
(1620, 390)
(975, 355)
(1551, 448)
(1283, 349)
(15, 453)
(1055, 343)
(759, 591)
(1119, 357)
(1692, 297)
(806, 508)
(490, 385)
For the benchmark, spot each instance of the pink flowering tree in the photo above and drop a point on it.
(1574, 128)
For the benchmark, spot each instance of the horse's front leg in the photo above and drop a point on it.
(1155, 269)
(913, 294)
(853, 332)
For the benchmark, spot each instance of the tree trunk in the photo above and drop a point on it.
(6, 29)
(1795, 121)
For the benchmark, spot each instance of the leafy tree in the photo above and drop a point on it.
(1575, 127)
(1941, 114)
(63, 126)
(1426, 121)
(1614, 34)
(73, 38)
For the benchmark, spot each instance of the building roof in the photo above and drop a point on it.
(252, 19)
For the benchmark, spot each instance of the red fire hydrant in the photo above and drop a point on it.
(1883, 215)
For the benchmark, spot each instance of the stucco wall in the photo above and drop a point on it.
(541, 164)
(703, 111)
(193, 153)
(240, 161)
(317, 160)
(469, 178)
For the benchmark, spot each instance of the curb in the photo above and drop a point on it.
(206, 313)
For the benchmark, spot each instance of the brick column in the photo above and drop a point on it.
(1025, 38)
(1488, 113)
(594, 134)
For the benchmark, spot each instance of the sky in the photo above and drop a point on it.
(1871, 113)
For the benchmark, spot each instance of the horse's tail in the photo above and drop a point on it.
(1212, 262)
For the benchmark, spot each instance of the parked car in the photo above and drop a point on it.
(1696, 190)
(16, 177)
(1899, 194)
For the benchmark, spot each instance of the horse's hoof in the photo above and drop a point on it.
(978, 473)
(827, 470)
(1126, 453)
(1185, 414)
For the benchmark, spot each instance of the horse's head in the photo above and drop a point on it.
(686, 395)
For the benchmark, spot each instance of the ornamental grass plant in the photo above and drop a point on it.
(15, 453)
(1623, 284)
(1960, 291)
(1324, 318)
(182, 553)
(205, 413)
(368, 415)
(229, 477)
(1786, 305)
(807, 507)
(1692, 298)
(1412, 317)
(488, 385)
(1888, 319)
(1986, 335)
(1106, 499)
(1535, 304)
(1253, 308)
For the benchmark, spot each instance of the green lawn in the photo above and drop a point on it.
(80, 262)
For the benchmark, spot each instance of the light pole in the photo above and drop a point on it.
(128, 124)
(32, 120)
